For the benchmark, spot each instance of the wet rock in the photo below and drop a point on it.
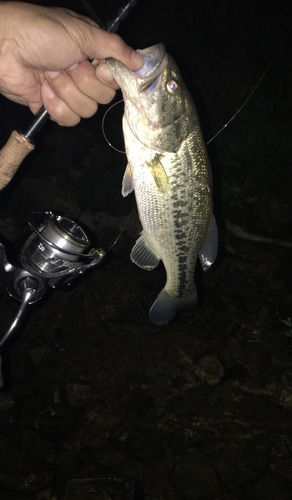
(146, 446)
(194, 477)
(268, 488)
(7, 227)
(77, 394)
(285, 396)
(22, 474)
(96, 489)
(42, 356)
(183, 441)
(209, 369)
(66, 462)
(34, 405)
(6, 406)
(265, 410)
(60, 423)
(282, 467)
(192, 403)
(47, 494)
(251, 300)
(22, 391)
(73, 313)
(25, 442)
(179, 382)
(256, 454)
(238, 372)
(230, 472)
(140, 403)
(110, 458)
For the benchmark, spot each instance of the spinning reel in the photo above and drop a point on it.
(54, 255)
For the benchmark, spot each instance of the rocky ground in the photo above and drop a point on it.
(200, 409)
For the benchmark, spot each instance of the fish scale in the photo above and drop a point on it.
(169, 171)
(174, 224)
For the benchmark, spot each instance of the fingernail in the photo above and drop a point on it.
(104, 73)
(72, 67)
(47, 91)
(52, 74)
(137, 58)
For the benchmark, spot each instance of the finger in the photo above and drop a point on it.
(64, 87)
(58, 109)
(84, 77)
(102, 44)
(104, 74)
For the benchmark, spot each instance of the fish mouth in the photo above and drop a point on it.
(141, 90)
(155, 61)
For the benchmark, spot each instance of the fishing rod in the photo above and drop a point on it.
(20, 144)
(57, 252)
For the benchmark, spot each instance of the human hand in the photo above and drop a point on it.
(43, 61)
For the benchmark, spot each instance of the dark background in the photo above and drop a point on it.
(199, 409)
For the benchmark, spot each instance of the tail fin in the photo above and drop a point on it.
(165, 308)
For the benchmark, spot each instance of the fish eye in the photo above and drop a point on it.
(172, 86)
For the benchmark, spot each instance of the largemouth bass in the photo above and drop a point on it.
(169, 170)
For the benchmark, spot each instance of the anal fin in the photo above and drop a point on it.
(143, 256)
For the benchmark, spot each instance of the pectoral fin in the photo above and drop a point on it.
(159, 175)
(127, 184)
(143, 256)
(209, 250)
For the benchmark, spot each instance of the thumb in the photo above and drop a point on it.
(101, 44)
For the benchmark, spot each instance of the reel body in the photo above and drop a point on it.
(54, 255)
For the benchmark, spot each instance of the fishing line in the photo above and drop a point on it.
(210, 140)
(120, 233)
(119, 151)
(103, 131)
(250, 95)
(235, 114)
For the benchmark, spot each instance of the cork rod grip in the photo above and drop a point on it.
(11, 156)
